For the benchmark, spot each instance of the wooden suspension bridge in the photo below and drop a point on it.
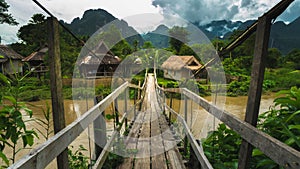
(147, 126)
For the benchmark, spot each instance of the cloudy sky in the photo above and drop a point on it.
(202, 11)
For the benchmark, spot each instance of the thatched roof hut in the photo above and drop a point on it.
(36, 56)
(10, 61)
(99, 62)
(180, 62)
(36, 61)
(7, 53)
(180, 67)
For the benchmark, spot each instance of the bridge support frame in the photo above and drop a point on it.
(255, 90)
(56, 87)
(99, 126)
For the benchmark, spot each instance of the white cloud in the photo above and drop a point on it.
(204, 11)
(67, 10)
(191, 10)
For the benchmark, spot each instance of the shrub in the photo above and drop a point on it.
(282, 122)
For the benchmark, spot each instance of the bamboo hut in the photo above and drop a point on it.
(10, 61)
(180, 67)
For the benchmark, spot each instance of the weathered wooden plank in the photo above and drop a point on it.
(157, 148)
(144, 142)
(43, 155)
(102, 157)
(281, 153)
(56, 87)
(143, 146)
(172, 90)
(135, 86)
(195, 146)
(255, 90)
(185, 141)
(173, 157)
(99, 127)
(131, 142)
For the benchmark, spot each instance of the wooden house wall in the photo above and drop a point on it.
(177, 74)
(11, 67)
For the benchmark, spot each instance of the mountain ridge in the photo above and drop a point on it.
(93, 19)
(283, 36)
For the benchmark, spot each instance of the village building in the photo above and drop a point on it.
(36, 62)
(100, 62)
(180, 67)
(10, 61)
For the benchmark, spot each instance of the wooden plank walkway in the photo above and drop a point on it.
(151, 137)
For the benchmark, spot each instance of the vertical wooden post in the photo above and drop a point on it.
(56, 87)
(164, 102)
(171, 106)
(117, 111)
(99, 126)
(193, 161)
(257, 77)
(139, 91)
(185, 119)
(125, 108)
(134, 102)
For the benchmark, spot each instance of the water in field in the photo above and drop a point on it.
(199, 120)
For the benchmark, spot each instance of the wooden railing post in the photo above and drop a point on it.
(185, 142)
(99, 126)
(171, 106)
(194, 162)
(255, 90)
(134, 102)
(139, 91)
(164, 101)
(140, 97)
(56, 87)
(116, 111)
(125, 106)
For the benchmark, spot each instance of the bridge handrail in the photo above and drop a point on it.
(198, 149)
(281, 153)
(102, 157)
(46, 152)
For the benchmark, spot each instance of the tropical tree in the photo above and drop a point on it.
(178, 37)
(147, 45)
(273, 58)
(186, 50)
(4, 16)
(293, 56)
(293, 59)
(246, 48)
(34, 36)
(112, 37)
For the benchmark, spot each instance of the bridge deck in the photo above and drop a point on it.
(151, 137)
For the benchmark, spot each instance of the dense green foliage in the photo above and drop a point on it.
(178, 37)
(4, 16)
(221, 147)
(77, 160)
(12, 123)
(282, 122)
(34, 36)
(281, 71)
